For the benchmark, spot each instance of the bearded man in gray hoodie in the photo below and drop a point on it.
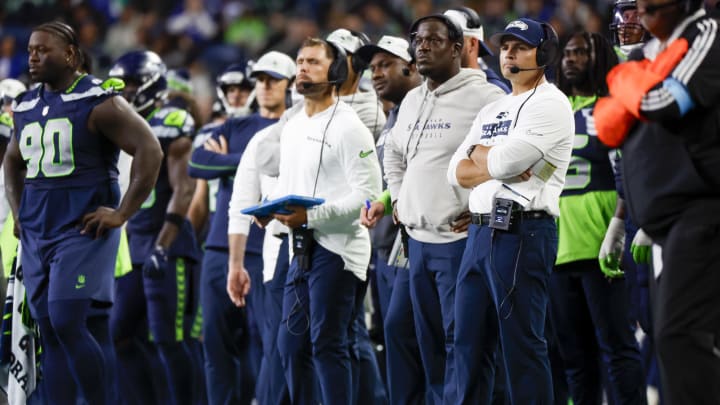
(432, 122)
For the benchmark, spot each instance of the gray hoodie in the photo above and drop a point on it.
(369, 109)
(429, 128)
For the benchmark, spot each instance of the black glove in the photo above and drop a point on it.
(154, 266)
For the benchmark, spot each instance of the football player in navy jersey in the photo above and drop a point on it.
(162, 244)
(61, 183)
(589, 307)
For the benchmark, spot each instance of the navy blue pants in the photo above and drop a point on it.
(368, 386)
(227, 344)
(405, 377)
(385, 279)
(313, 339)
(271, 381)
(501, 299)
(433, 275)
(591, 319)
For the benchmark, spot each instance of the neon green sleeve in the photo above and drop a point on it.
(8, 245)
(387, 201)
(123, 263)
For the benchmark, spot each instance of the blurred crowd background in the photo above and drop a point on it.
(205, 36)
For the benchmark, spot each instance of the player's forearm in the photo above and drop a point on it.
(14, 184)
(178, 208)
(143, 175)
(198, 211)
(210, 165)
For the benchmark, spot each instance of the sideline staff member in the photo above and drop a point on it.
(512, 243)
(326, 152)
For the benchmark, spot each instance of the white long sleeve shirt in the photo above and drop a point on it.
(249, 188)
(331, 155)
(537, 127)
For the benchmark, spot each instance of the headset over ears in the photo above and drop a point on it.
(338, 70)
(471, 17)
(358, 63)
(549, 49)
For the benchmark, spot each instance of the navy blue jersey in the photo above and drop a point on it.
(70, 170)
(590, 168)
(208, 165)
(168, 124)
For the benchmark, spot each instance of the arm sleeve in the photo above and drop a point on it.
(693, 82)
(393, 163)
(543, 125)
(267, 159)
(473, 138)
(246, 191)
(363, 175)
(511, 158)
(205, 164)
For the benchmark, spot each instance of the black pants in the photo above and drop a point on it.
(688, 313)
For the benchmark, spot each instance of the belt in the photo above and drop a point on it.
(484, 219)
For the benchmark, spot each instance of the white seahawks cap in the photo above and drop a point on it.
(394, 45)
(461, 19)
(275, 64)
(345, 39)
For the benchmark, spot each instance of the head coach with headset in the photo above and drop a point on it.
(432, 121)
(514, 159)
(663, 109)
(325, 152)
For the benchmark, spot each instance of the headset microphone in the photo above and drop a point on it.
(307, 85)
(515, 69)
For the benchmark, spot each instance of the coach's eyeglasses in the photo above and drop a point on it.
(432, 41)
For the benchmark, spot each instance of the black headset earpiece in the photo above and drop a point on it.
(471, 16)
(358, 63)
(549, 48)
(338, 70)
(406, 71)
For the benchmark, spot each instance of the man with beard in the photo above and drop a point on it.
(590, 313)
(326, 152)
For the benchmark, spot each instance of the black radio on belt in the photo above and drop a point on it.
(303, 245)
(501, 215)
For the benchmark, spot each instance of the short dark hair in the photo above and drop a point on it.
(317, 42)
(598, 68)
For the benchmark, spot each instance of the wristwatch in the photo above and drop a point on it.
(470, 151)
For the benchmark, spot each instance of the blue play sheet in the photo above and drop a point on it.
(267, 208)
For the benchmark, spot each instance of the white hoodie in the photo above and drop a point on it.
(429, 128)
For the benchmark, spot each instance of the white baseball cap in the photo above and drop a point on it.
(394, 45)
(275, 64)
(345, 39)
(476, 32)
